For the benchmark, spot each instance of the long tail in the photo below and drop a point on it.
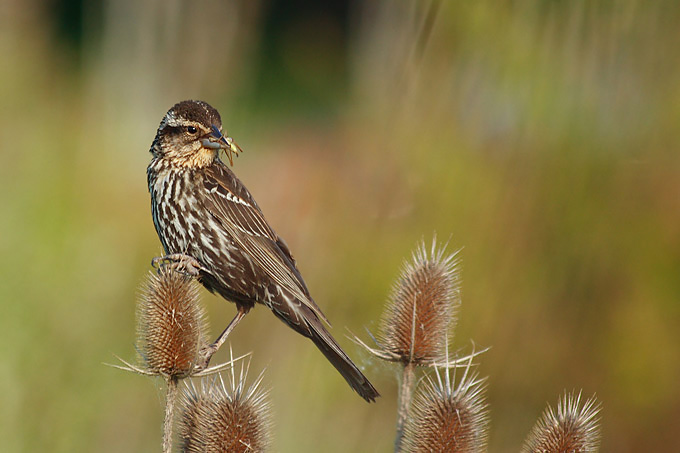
(305, 321)
(330, 348)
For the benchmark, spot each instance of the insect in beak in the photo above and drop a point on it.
(216, 140)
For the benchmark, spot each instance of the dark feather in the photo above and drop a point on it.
(233, 206)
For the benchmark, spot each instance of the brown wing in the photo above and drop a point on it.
(230, 203)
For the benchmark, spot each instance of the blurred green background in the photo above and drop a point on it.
(541, 136)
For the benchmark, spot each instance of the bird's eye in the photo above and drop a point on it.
(191, 129)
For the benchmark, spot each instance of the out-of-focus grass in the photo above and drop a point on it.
(541, 136)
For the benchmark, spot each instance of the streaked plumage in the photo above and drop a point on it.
(202, 210)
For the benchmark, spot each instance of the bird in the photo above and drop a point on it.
(211, 227)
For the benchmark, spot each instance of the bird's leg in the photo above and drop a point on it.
(207, 352)
(179, 262)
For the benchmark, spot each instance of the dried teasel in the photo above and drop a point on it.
(570, 429)
(171, 332)
(215, 418)
(171, 328)
(449, 417)
(171, 324)
(414, 329)
(421, 310)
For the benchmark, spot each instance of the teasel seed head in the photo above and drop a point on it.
(422, 308)
(572, 429)
(217, 419)
(171, 324)
(449, 417)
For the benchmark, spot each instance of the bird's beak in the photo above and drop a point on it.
(216, 140)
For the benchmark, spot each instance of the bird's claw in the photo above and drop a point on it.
(184, 264)
(204, 356)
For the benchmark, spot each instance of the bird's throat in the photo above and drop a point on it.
(201, 158)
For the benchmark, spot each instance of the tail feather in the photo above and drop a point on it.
(330, 348)
(301, 318)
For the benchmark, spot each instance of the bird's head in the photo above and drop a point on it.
(190, 135)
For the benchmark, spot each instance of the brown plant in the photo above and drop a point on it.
(447, 417)
(420, 314)
(218, 419)
(171, 330)
(171, 324)
(570, 429)
(422, 307)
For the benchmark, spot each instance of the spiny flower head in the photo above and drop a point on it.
(422, 308)
(219, 419)
(171, 325)
(571, 429)
(447, 417)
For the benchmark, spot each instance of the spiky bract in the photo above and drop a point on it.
(449, 418)
(422, 307)
(171, 326)
(220, 419)
(571, 429)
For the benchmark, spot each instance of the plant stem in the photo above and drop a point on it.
(169, 413)
(405, 396)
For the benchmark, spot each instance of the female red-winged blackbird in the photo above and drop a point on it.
(211, 227)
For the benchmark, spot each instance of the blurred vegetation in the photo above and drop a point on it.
(540, 135)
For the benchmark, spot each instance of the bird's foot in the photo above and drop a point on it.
(178, 262)
(207, 351)
(204, 356)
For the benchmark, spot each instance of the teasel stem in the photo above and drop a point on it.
(170, 399)
(406, 386)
